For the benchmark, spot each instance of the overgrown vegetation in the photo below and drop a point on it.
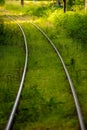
(43, 95)
(33, 9)
(46, 101)
(2, 2)
(69, 35)
(75, 25)
(11, 66)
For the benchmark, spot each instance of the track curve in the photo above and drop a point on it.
(76, 101)
(80, 118)
(10, 121)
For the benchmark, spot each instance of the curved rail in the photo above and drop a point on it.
(10, 121)
(80, 118)
(82, 126)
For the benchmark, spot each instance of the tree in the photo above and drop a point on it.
(22, 2)
(58, 2)
(2, 2)
(64, 5)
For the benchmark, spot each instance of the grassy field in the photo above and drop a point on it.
(46, 96)
(46, 101)
(11, 66)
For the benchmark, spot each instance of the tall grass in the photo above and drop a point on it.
(69, 35)
(75, 25)
(11, 67)
(46, 99)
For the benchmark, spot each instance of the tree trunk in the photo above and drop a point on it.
(58, 2)
(22, 2)
(64, 5)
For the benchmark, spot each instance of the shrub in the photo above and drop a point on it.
(74, 24)
(2, 2)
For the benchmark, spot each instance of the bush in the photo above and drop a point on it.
(37, 11)
(2, 2)
(70, 3)
(74, 24)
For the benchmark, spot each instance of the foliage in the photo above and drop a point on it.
(36, 11)
(2, 2)
(46, 101)
(75, 25)
(70, 3)
(43, 95)
(70, 32)
(11, 67)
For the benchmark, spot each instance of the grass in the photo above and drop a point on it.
(46, 94)
(46, 101)
(72, 49)
(11, 67)
(75, 60)
(38, 9)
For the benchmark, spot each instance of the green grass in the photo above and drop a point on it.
(32, 9)
(46, 96)
(46, 101)
(11, 67)
(72, 46)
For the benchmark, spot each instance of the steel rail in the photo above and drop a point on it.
(10, 121)
(80, 117)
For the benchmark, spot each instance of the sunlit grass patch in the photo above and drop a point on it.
(30, 8)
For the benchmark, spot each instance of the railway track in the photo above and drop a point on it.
(14, 109)
(78, 109)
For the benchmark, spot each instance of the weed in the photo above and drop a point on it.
(46, 101)
(11, 59)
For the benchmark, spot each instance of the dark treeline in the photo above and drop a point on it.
(64, 3)
(2, 2)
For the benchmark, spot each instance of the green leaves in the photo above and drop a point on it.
(2, 2)
(75, 25)
(11, 66)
